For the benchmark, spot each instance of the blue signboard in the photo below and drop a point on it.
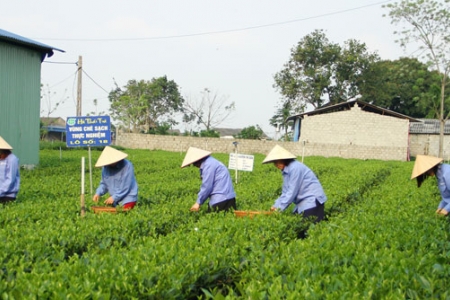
(88, 131)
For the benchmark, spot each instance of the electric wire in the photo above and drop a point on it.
(94, 81)
(223, 31)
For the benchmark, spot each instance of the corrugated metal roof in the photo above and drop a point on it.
(349, 104)
(428, 126)
(26, 42)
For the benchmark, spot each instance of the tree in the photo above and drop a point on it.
(279, 119)
(319, 71)
(142, 105)
(404, 86)
(354, 59)
(428, 23)
(250, 133)
(210, 111)
(308, 73)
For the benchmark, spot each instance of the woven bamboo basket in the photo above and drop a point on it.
(107, 209)
(251, 214)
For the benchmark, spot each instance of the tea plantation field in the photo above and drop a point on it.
(381, 238)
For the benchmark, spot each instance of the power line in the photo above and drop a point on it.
(63, 80)
(221, 31)
(94, 81)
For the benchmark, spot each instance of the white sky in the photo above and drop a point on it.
(231, 47)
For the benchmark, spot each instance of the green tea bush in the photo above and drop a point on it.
(381, 238)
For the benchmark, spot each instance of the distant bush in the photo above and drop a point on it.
(56, 145)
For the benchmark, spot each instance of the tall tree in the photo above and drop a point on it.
(308, 73)
(210, 110)
(354, 59)
(320, 71)
(427, 22)
(146, 104)
(405, 86)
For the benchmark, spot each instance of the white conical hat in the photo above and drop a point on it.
(4, 145)
(277, 153)
(194, 154)
(109, 156)
(424, 163)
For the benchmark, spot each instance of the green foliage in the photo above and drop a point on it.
(209, 133)
(319, 70)
(427, 23)
(42, 131)
(161, 129)
(250, 133)
(145, 104)
(203, 133)
(405, 86)
(381, 238)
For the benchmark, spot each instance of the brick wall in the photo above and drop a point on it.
(348, 134)
(356, 133)
(428, 144)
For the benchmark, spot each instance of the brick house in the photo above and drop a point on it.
(53, 129)
(353, 129)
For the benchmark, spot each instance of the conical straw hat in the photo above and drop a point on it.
(109, 156)
(424, 163)
(4, 145)
(277, 153)
(194, 154)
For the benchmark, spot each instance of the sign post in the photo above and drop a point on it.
(88, 132)
(242, 162)
(83, 207)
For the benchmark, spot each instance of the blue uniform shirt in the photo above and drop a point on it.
(216, 182)
(119, 181)
(9, 176)
(443, 178)
(301, 187)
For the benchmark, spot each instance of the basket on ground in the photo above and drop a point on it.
(107, 209)
(251, 214)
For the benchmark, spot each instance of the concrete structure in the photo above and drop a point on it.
(424, 138)
(20, 93)
(354, 129)
(350, 130)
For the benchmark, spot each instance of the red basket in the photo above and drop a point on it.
(251, 214)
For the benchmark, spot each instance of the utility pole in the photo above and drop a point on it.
(80, 71)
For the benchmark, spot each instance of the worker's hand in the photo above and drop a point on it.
(195, 207)
(109, 201)
(443, 211)
(273, 208)
(96, 198)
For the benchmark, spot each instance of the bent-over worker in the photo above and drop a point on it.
(216, 181)
(9, 173)
(118, 179)
(426, 166)
(300, 186)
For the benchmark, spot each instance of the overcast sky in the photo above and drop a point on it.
(231, 47)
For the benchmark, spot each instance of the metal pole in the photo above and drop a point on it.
(237, 161)
(90, 168)
(303, 152)
(83, 208)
